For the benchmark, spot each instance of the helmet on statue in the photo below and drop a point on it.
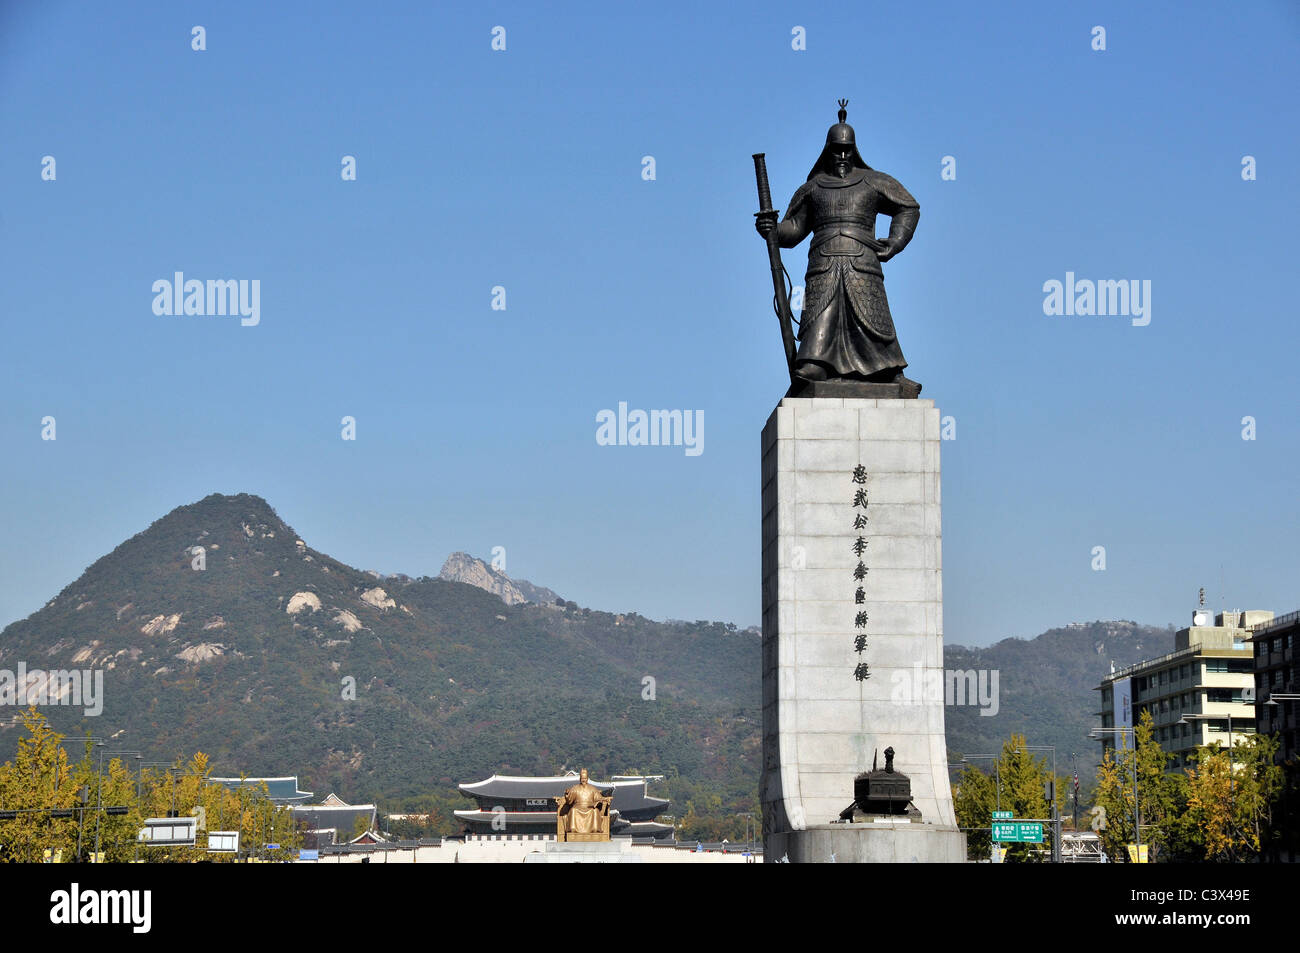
(839, 137)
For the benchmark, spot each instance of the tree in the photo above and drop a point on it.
(1024, 782)
(975, 800)
(41, 780)
(1017, 783)
(1231, 798)
(360, 826)
(1161, 798)
(38, 780)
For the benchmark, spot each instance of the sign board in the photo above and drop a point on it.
(1020, 832)
(309, 855)
(167, 832)
(223, 842)
(1003, 815)
(1137, 855)
(271, 846)
(1122, 702)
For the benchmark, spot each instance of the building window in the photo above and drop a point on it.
(1220, 665)
(1224, 695)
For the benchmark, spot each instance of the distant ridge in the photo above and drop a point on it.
(276, 659)
(218, 628)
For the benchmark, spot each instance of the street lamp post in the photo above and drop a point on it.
(99, 806)
(997, 770)
(1074, 761)
(100, 743)
(749, 838)
(1056, 816)
(997, 773)
(1276, 699)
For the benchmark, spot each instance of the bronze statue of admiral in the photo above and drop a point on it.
(847, 344)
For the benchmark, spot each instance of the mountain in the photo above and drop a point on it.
(220, 629)
(462, 567)
(274, 658)
(1046, 689)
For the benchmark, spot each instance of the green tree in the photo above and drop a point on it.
(1231, 799)
(1161, 799)
(1017, 783)
(359, 827)
(975, 800)
(38, 780)
(1024, 783)
(41, 780)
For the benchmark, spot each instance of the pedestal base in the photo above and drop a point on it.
(854, 389)
(585, 852)
(871, 843)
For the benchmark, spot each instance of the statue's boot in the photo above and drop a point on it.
(810, 371)
(909, 387)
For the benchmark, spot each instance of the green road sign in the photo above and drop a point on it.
(1003, 815)
(1020, 832)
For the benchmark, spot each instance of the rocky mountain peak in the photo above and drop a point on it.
(462, 567)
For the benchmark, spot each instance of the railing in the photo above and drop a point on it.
(1125, 672)
(1276, 621)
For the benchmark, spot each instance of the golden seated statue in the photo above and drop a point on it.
(582, 813)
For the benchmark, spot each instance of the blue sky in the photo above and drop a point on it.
(523, 169)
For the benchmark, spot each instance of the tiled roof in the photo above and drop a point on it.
(278, 789)
(629, 795)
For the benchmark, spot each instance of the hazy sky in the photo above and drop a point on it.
(523, 169)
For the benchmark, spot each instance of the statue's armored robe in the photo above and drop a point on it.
(846, 323)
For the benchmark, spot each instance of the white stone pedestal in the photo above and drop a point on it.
(872, 843)
(821, 725)
(617, 850)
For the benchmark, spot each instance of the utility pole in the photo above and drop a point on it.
(99, 808)
(1074, 763)
(83, 795)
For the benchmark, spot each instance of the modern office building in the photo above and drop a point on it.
(1275, 643)
(1277, 713)
(1200, 693)
(510, 807)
